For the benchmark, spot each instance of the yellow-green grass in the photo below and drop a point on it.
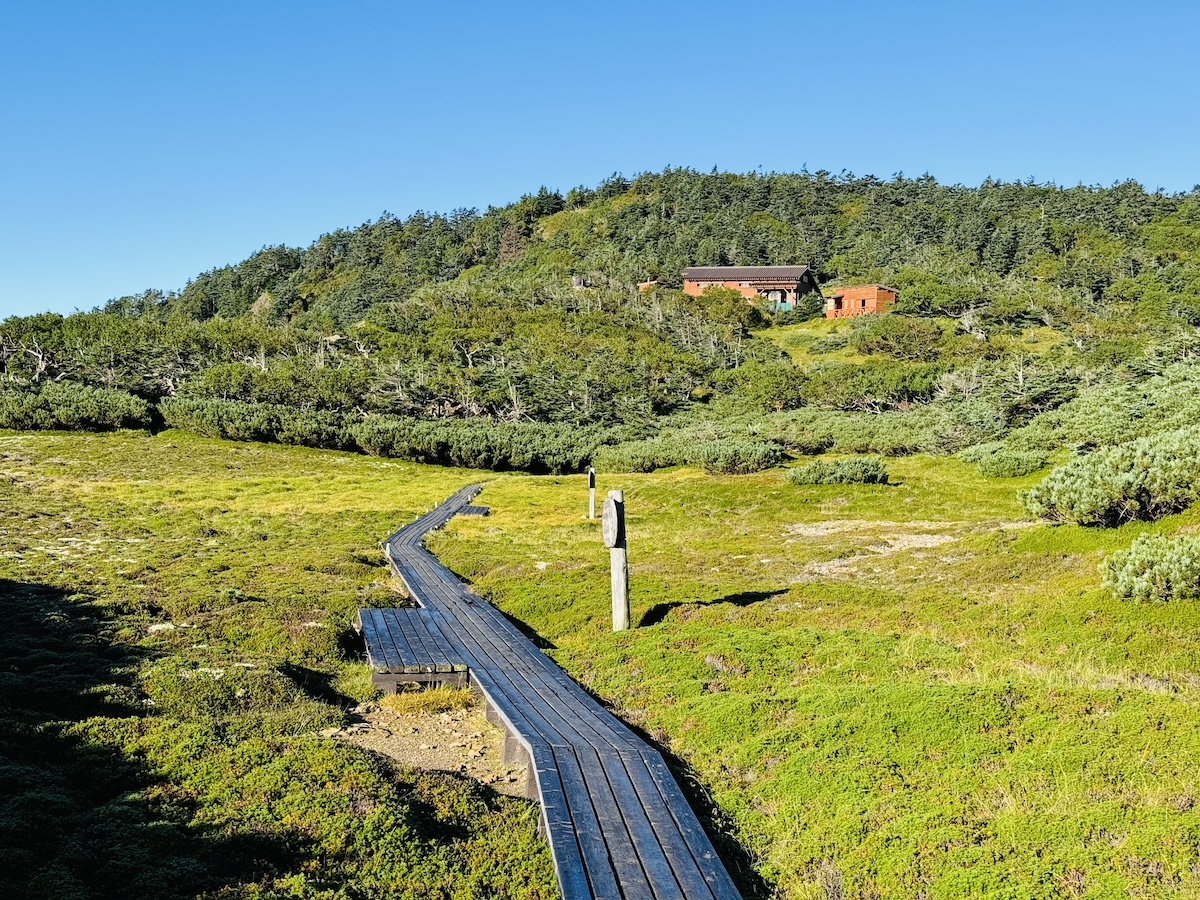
(905, 691)
(177, 634)
(795, 340)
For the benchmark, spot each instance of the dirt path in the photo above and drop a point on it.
(459, 741)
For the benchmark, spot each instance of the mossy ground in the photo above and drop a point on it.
(907, 690)
(889, 691)
(178, 630)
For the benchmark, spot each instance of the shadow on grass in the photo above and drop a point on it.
(660, 611)
(76, 819)
(317, 685)
(530, 635)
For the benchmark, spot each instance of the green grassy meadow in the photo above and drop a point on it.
(873, 691)
(177, 634)
(888, 691)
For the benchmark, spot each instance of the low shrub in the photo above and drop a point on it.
(836, 340)
(939, 428)
(478, 444)
(238, 421)
(995, 460)
(900, 337)
(1115, 413)
(470, 443)
(1142, 479)
(70, 406)
(722, 455)
(1155, 568)
(853, 470)
(736, 457)
(872, 386)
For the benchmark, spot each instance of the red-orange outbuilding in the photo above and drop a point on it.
(859, 301)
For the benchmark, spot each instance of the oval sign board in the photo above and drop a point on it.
(610, 523)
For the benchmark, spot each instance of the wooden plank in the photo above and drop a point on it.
(667, 883)
(448, 653)
(401, 619)
(517, 664)
(617, 840)
(583, 817)
(408, 661)
(701, 847)
(377, 636)
(439, 659)
(687, 869)
(560, 831)
(403, 641)
(649, 848)
(376, 655)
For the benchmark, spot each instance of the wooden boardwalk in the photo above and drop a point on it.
(617, 823)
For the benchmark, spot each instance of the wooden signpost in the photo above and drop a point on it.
(591, 493)
(612, 526)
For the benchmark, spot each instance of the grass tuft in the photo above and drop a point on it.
(413, 700)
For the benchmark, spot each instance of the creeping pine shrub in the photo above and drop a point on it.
(70, 406)
(721, 456)
(1155, 568)
(853, 470)
(833, 341)
(236, 420)
(474, 444)
(734, 457)
(1115, 413)
(934, 428)
(477, 444)
(995, 460)
(1142, 479)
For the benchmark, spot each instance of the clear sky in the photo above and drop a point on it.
(143, 143)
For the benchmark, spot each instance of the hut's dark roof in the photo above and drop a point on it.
(745, 273)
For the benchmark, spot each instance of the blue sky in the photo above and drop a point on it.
(143, 143)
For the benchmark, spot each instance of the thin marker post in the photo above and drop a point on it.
(591, 493)
(612, 526)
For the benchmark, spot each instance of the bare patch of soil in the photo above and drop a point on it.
(459, 741)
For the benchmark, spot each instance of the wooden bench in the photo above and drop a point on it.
(405, 645)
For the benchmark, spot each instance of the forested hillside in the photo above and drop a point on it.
(402, 337)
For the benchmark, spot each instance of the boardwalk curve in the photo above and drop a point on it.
(617, 823)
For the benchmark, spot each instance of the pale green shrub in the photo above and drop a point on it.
(1116, 413)
(1155, 568)
(70, 406)
(923, 429)
(1142, 479)
(725, 455)
(995, 460)
(736, 457)
(853, 470)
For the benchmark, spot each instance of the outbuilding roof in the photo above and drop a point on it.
(745, 273)
(837, 292)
